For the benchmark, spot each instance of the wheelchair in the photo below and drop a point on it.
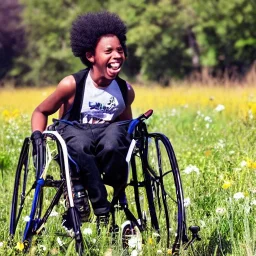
(152, 200)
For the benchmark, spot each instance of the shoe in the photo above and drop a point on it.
(81, 202)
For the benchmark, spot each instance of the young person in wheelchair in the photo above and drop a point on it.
(90, 102)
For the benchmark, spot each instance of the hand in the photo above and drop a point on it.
(37, 140)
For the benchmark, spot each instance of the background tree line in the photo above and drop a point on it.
(166, 38)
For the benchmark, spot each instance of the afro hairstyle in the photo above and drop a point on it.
(88, 28)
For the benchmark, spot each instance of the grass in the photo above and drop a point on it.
(215, 151)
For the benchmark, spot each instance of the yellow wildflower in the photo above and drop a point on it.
(169, 251)
(246, 194)
(251, 164)
(150, 240)
(20, 246)
(6, 113)
(15, 113)
(226, 184)
(207, 152)
(252, 107)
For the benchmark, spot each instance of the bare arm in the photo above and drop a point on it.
(63, 94)
(127, 114)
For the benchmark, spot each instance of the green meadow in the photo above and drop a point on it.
(213, 134)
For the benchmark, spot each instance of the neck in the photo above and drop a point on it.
(99, 81)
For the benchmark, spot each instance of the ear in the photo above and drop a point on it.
(89, 56)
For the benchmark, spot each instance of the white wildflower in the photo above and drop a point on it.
(132, 242)
(202, 223)
(207, 119)
(173, 112)
(59, 241)
(26, 218)
(253, 190)
(253, 202)
(219, 108)
(221, 177)
(159, 252)
(220, 144)
(191, 168)
(187, 202)
(239, 195)
(54, 213)
(87, 231)
(108, 252)
(1, 244)
(42, 247)
(207, 126)
(199, 113)
(243, 163)
(220, 210)
(134, 253)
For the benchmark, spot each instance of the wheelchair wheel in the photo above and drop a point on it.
(38, 188)
(22, 195)
(131, 236)
(158, 193)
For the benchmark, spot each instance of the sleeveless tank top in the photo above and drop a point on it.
(101, 105)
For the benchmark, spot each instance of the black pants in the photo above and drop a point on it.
(100, 151)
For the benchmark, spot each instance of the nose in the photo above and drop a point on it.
(117, 54)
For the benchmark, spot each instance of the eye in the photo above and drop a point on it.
(108, 51)
(120, 50)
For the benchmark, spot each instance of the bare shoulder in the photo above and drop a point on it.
(66, 87)
(130, 94)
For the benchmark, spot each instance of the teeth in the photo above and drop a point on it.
(114, 65)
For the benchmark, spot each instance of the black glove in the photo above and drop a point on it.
(37, 140)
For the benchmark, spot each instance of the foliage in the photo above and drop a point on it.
(173, 38)
(11, 34)
(225, 33)
(166, 38)
(156, 35)
(212, 131)
(48, 57)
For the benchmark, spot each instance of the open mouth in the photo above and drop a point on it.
(114, 68)
(114, 65)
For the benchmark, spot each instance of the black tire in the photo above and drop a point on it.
(29, 199)
(159, 195)
(23, 195)
(37, 201)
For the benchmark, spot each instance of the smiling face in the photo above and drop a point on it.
(107, 60)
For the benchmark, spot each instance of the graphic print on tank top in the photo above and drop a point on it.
(101, 104)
